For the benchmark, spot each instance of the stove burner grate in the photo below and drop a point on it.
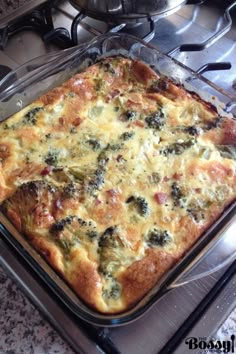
(8, 6)
(41, 21)
(38, 20)
(195, 47)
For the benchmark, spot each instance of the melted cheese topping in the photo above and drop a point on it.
(114, 175)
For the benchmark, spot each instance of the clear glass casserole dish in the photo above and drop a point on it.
(31, 80)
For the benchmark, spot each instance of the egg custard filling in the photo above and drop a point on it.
(114, 175)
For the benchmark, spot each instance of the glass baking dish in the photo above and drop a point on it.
(22, 86)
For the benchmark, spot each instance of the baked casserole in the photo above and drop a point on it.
(114, 175)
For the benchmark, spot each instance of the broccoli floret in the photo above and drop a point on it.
(227, 151)
(196, 213)
(108, 239)
(129, 116)
(27, 200)
(113, 292)
(127, 135)
(61, 224)
(156, 120)
(177, 194)
(192, 130)
(103, 158)
(52, 157)
(72, 230)
(94, 143)
(82, 222)
(109, 245)
(96, 181)
(30, 117)
(177, 148)
(113, 147)
(92, 234)
(70, 190)
(140, 204)
(155, 178)
(158, 237)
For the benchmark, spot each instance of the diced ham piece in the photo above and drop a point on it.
(177, 176)
(97, 201)
(160, 197)
(77, 121)
(111, 193)
(47, 170)
(166, 179)
(138, 123)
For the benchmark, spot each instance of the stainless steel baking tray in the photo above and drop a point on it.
(31, 80)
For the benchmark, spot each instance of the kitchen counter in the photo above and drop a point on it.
(23, 330)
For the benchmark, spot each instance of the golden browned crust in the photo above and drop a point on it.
(143, 73)
(142, 275)
(229, 132)
(51, 252)
(84, 278)
(113, 177)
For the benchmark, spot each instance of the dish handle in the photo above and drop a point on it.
(27, 73)
(215, 257)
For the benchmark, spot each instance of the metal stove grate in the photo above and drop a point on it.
(11, 10)
(194, 47)
(31, 15)
(188, 47)
(38, 16)
(9, 6)
(41, 20)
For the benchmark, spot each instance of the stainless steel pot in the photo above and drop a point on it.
(119, 11)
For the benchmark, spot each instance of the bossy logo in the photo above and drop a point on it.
(218, 346)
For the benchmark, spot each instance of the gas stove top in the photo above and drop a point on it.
(203, 37)
(196, 35)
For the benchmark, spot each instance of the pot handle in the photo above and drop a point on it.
(216, 257)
